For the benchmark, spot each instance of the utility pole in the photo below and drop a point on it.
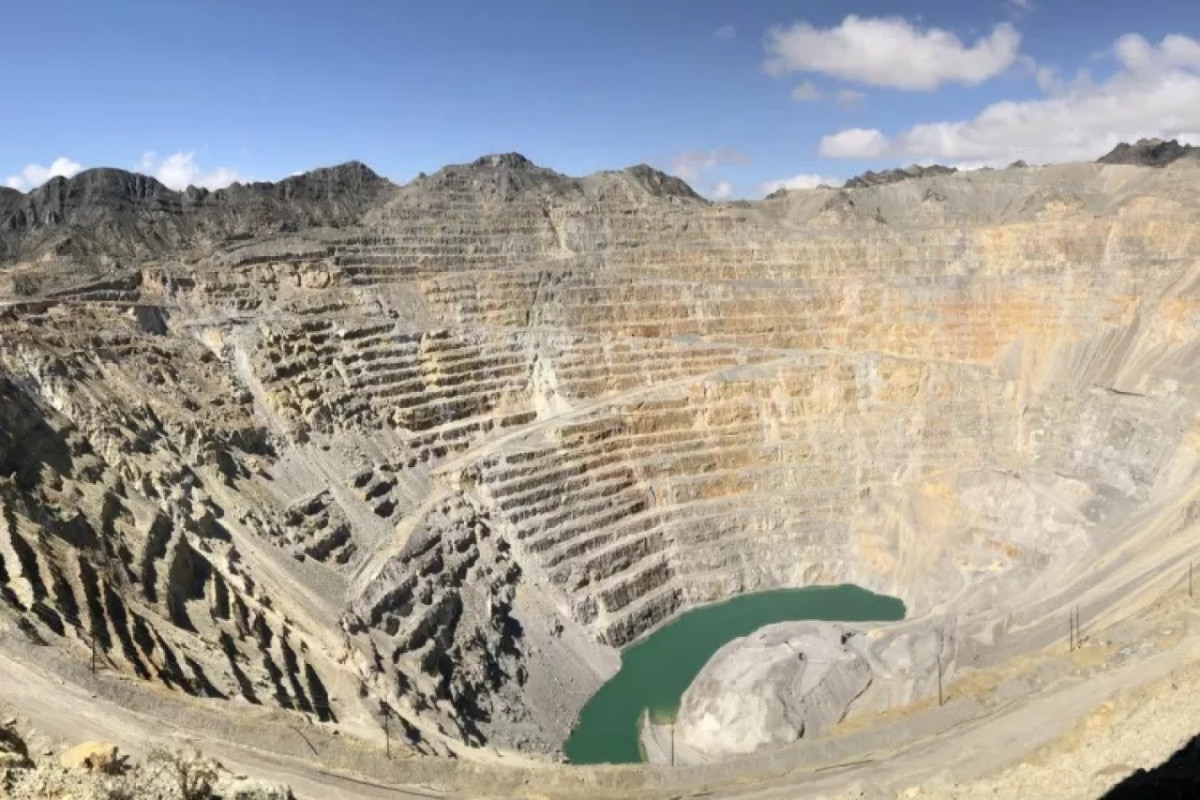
(1071, 623)
(92, 637)
(387, 729)
(672, 743)
(941, 698)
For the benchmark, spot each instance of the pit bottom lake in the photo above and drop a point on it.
(656, 671)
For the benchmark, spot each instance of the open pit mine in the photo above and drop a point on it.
(365, 487)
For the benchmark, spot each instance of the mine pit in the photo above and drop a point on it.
(416, 467)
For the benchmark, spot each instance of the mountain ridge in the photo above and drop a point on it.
(108, 217)
(1149, 153)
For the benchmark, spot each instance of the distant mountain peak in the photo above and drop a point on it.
(660, 183)
(503, 160)
(1149, 153)
(106, 213)
(887, 176)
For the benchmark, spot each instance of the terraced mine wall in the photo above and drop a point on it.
(445, 449)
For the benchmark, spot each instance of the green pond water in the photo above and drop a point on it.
(656, 671)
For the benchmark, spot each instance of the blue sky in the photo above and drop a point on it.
(733, 96)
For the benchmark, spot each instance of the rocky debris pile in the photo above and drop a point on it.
(243, 788)
(796, 680)
(1150, 153)
(779, 684)
(887, 176)
(96, 771)
(93, 756)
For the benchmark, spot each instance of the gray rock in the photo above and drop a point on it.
(780, 683)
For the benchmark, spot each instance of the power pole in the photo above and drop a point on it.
(387, 729)
(1071, 623)
(93, 640)
(941, 698)
(672, 743)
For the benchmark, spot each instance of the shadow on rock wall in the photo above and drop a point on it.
(1177, 777)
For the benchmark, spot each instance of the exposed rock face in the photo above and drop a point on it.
(14, 753)
(331, 444)
(778, 684)
(97, 770)
(887, 176)
(1149, 153)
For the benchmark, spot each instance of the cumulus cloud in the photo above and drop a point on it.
(725, 32)
(807, 92)
(854, 143)
(32, 176)
(180, 170)
(803, 181)
(890, 52)
(1051, 82)
(848, 98)
(692, 165)
(1155, 92)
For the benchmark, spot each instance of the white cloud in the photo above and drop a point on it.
(725, 32)
(32, 176)
(889, 51)
(1156, 92)
(692, 165)
(807, 92)
(1181, 51)
(1022, 5)
(180, 170)
(854, 143)
(848, 98)
(799, 182)
(721, 190)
